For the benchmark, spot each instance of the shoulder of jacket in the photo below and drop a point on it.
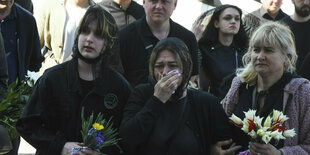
(296, 84)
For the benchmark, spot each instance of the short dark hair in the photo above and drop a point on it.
(180, 50)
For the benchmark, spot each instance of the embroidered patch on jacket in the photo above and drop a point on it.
(110, 101)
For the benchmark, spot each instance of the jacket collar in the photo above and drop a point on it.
(146, 30)
(99, 84)
(73, 76)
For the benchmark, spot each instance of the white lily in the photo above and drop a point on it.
(250, 114)
(289, 133)
(258, 120)
(267, 122)
(266, 138)
(279, 116)
(262, 131)
(236, 120)
(277, 135)
(252, 134)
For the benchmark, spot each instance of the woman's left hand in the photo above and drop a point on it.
(263, 149)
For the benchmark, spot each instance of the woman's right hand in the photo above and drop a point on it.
(165, 86)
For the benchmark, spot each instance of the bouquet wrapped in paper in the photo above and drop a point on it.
(97, 134)
(263, 132)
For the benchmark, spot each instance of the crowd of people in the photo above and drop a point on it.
(166, 89)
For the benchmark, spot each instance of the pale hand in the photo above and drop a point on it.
(165, 87)
(216, 149)
(67, 149)
(263, 149)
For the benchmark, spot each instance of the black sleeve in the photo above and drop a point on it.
(136, 10)
(3, 70)
(218, 127)
(140, 114)
(193, 47)
(221, 124)
(305, 68)
(32, 124)
(36, 55)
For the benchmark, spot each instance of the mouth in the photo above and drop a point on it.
(260, 64)
(88, 48)
(232, 27)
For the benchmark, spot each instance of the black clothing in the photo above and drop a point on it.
(253, 20)
(187, 126)
(301, 33)
(305, 67)
(219, 61)
(3, 69)
(123, 17)
(53, 115)
(137, 42)
(263, 16)
(248, 99)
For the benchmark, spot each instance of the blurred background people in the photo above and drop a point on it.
(21, 44)
(26, 4)
(165, 117)
(269, 11)
(51, 121)
(268, 81)
(299, 23)
(222, 46)
(57, 23)
(123, 11)
(138, 39)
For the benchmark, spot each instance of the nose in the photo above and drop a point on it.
(166, 70)
(90, 37)
(261, 55)
(158, 5)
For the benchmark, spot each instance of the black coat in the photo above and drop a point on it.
(53, 115)
(207, 119)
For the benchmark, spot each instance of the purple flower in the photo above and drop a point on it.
(96, 137)
(246, 152)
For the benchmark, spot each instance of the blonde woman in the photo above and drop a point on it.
(269, 82)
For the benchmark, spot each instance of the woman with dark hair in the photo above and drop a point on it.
(222, 46)
(51, 121)
(164, 117)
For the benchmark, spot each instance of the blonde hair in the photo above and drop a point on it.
(275, 35)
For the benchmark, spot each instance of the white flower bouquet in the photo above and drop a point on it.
(272, 128)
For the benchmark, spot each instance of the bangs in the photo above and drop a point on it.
(103, 24)
(268, 38)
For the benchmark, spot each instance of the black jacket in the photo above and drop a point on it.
(3, 69)
(53, 115)
(218, 62)
(137, 42)
(207, 119)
